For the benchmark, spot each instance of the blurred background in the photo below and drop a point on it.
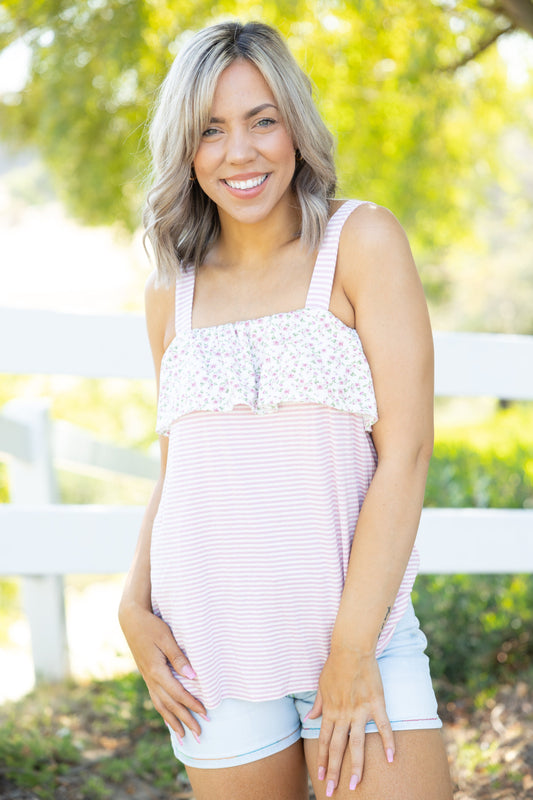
(431, 104)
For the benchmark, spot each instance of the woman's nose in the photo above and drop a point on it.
(240, 147)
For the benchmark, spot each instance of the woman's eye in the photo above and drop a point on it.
(210, 132)
(266, 122)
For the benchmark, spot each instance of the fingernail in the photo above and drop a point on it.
(196, 736)
(307, 716)
(180, 740)
(204, 716)
(321, 773)
(188, 671)
(390, 755)
(330, 788)
(354, 780)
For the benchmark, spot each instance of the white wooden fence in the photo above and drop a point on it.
(43, 540)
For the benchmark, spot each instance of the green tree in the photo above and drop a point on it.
(417, 120)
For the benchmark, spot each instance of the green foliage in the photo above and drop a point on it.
(115, 769)
(408, 127)
(94, 788)
(480, 627)
(89, 738)
(473, 758)
(489, 465)
(149, 763)
(85, 60)
(33, 760)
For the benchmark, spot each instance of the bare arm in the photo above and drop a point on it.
(150, 639)
(380, 281)
(158, 305)
(393, 324)
(137, 585)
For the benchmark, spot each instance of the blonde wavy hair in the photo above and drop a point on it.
(181, 222)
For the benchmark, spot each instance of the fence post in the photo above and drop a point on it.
(33, 482)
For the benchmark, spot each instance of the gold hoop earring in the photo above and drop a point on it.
(298, 155)
(192, 176)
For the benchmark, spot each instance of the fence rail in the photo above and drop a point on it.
(101, 539)
(42, 540)
(100, 346)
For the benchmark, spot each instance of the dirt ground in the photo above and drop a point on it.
(491, 749)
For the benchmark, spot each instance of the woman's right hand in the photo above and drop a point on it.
(155, 650)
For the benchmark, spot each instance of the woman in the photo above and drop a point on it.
(268, 606)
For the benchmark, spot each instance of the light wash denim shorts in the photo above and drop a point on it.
(240, 731)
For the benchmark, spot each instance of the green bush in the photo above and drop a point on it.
(35, 761)
(480, 627)
(462, 477)
(85, 740)
(489, 465)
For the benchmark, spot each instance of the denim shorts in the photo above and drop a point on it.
(240, 731)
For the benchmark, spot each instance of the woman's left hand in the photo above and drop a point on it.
(350, 694)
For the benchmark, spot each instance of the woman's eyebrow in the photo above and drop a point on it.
(249, 114)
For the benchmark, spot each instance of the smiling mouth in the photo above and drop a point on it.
(249, 184)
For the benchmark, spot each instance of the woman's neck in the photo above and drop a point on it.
(243, 245)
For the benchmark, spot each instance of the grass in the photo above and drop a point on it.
(85, 740)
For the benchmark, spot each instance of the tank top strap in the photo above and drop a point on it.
(184, 299)
(319, 294)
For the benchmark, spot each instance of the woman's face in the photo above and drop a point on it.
(246, 159)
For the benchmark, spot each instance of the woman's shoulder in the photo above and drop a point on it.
(159, 310)
(157, 290)
(158, 297)
(367, 216)
(373, 243)
(371, 229)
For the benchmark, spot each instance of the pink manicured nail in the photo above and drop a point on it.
(354, 780)
(390, 755)
(196, 736)
(321, 773)
(307, 716)
(188, 672)
(180, 740)
(330, 788)
(204, 716)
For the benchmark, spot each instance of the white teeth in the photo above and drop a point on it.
(246, 184)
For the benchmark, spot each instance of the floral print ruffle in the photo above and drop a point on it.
(303, 356)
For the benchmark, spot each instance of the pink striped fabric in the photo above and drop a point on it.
(251, 542)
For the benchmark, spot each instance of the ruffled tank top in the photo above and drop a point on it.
(270, 458)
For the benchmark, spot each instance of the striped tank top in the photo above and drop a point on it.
(269, 461)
